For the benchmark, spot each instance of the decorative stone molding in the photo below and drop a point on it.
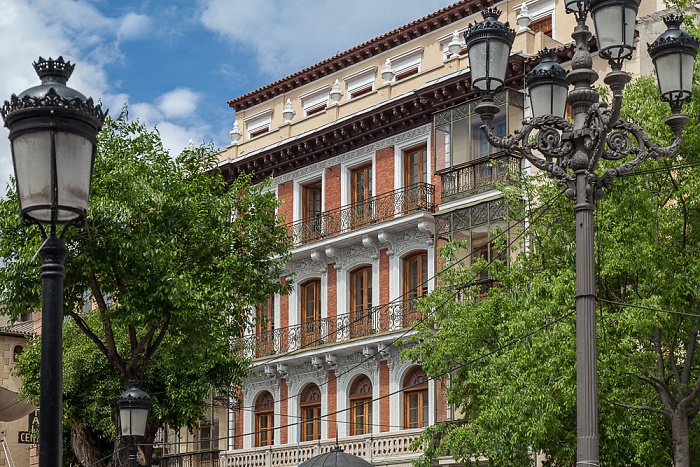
(305, 268)
(408, 240)
(321, 259)
(349, 256)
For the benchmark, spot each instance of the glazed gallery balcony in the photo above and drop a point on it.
(377, 448)
(479, 175)
(377, 209)
(357, 324)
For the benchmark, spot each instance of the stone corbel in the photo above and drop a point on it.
(384, 351)
(371, 242)
(387, 239)
(282, 370)
(332, 254)
(317, 362)
(270, 372)
(331, 361)
(429, 228)
(320, 258)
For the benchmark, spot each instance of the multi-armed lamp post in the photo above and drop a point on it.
(53, 138)
(569, 151)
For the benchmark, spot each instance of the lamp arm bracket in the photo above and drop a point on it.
(549, 150)
(628, 139)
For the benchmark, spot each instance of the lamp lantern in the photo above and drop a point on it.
(53, 139)
(673, 54)
(488, 45)
(134, 405)
(547, 86)
(614, 22)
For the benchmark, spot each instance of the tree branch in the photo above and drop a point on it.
(689, 355)
(154, 344)
(665, 413)
(114, 359)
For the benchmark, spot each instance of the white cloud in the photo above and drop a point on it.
(290, 35)
(134, 26)
(178, 103)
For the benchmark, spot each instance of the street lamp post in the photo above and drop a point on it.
(53, 139)
(133, 405)
(570, 151)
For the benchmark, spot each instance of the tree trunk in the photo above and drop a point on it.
(85, 448)
(681, 441)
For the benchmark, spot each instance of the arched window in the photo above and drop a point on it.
(415, 399)
(361, 302)
(415, 285)
(311, 413)
(264, 420)
(311, 312)
(16, 352)
(361, 406)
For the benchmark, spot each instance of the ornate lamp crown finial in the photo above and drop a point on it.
(491, 13)
(547, 54)
(673, 21)
(53, 71)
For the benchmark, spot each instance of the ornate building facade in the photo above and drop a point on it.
(377, 158)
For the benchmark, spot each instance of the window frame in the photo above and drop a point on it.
(310, 328)
(308, 401)
(315, 101)
(361, 83)
(420, 390)
(362, 325)
(258, 124)
(265, 411)
(361, 398)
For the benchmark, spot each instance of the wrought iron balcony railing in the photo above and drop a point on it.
(381, 208)
(473, 176)
(360, 323)
(192, 459)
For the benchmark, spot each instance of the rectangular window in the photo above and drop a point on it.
(543, 25)
(361, 196)
(265, 327)
(311, 313)
(406, 64)
(311, 205)
(361, 414)
(457, 135)
(315, 101)
(259, 123)
(361, 82)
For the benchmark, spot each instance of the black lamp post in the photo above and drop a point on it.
(570, 151)
(133, 405)
(53, 135)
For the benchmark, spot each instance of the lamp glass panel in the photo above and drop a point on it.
(608, 26)
(686, 71)
(32, 160)
(548, 99)
(498, 62)
(73, 169)
(559, 95)
(630, 20)
(668, 72)
(133, 421)
(477, 62)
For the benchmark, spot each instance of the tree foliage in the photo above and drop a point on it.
(157, 283)
(507, 359)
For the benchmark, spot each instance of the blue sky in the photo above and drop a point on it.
(177, 62)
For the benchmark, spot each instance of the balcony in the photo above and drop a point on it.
(478, 175)
(381, 208)
(192, 459)
(362, 323)
(376, 448)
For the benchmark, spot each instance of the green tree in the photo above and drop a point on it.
(157, 284)
(507, 359)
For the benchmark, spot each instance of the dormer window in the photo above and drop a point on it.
(361, 83)
(259, 123)
(315, 101)
(407, 64)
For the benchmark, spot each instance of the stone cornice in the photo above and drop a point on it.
(400, 115)
(369, 49)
